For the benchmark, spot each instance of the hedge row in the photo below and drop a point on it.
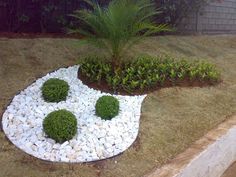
(148, 72)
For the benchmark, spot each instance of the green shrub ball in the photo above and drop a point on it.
(55, 90)
(107, 107)
(60, 125)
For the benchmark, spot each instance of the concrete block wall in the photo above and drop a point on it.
(215, 18)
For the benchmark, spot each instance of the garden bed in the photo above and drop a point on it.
(146, 74)
(172, 118)
(103, 86)
(96, 139)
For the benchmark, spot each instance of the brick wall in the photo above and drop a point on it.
(216, 17)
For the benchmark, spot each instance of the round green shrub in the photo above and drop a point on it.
(107, 107)
(55, 90)
(60, 125)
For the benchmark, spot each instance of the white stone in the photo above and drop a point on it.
(56, 146)
(64, 159)
(107, 145)
(64, 144)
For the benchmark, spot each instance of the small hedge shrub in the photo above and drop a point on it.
(107, 107)
(55, 90)
(147, 72)
(95, 69)
(60, 125)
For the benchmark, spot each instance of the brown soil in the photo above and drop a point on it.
(104, 87)
(231, 171)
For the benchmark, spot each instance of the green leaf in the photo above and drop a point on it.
(119, 26)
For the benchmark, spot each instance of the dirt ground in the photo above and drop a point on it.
(172, 118)
(231, 171)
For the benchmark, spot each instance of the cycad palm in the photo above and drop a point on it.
(118, 26)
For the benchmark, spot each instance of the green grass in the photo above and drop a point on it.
(172, 118)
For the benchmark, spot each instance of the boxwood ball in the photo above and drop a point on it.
(55, 90)
(107, 107)
(60, 125)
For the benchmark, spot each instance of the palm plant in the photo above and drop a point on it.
(118, 26)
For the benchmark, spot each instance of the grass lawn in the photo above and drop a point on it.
(172, 118)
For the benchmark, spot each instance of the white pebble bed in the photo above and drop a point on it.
(96, 139)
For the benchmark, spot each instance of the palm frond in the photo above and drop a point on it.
(118, 26)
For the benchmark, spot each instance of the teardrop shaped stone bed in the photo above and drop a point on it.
(96, 139)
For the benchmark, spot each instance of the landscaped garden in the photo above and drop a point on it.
(92, 111)
(172, 118)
